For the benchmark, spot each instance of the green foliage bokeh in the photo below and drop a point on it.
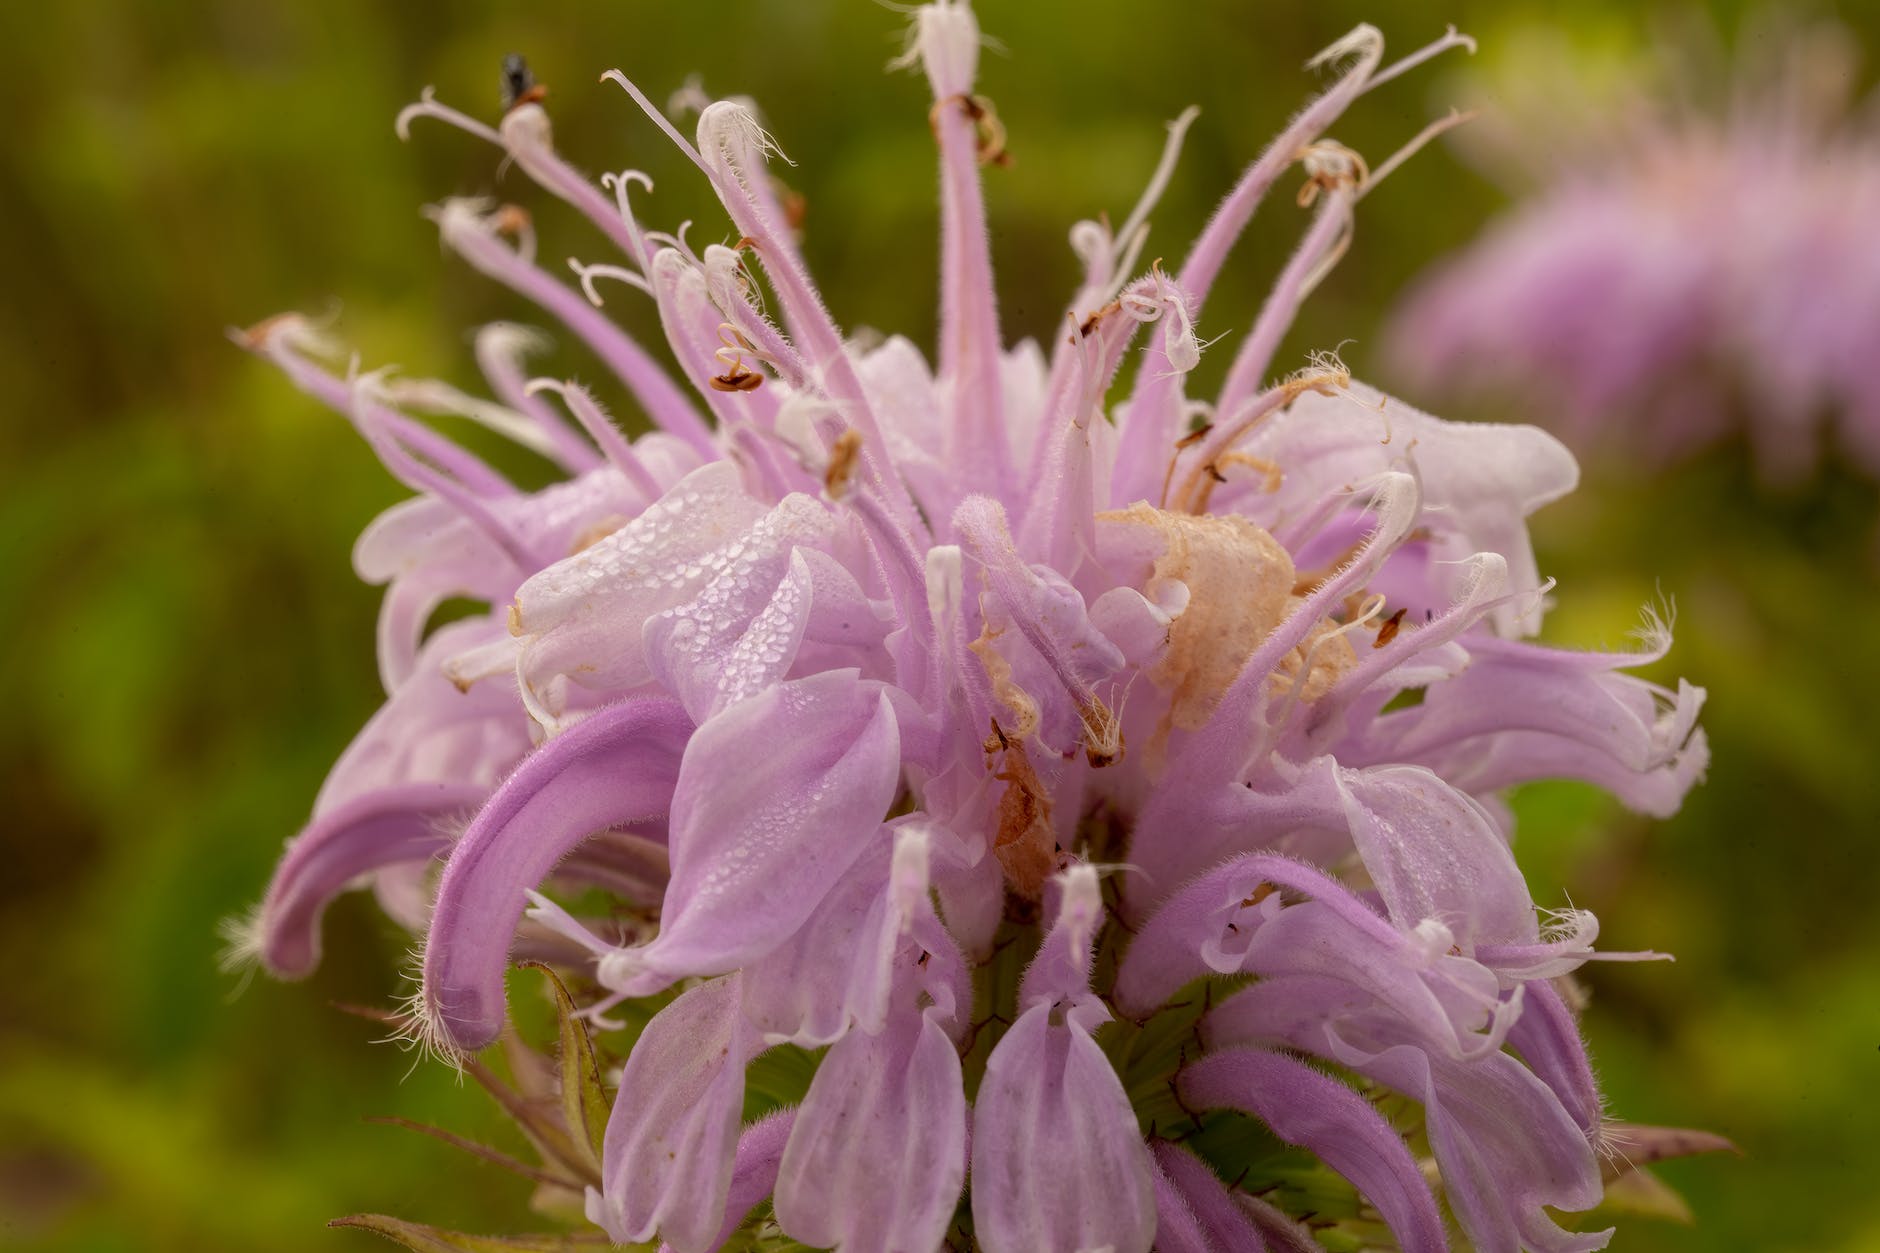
(189, 649)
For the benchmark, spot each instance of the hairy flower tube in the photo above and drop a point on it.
(1676, 274)
(1101, 796)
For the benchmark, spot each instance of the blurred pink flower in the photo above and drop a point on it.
(872, 682)
(1677, 275)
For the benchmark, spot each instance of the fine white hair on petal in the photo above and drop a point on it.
(944, 38)
(732, 130)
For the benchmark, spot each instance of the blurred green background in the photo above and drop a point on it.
(193, 651)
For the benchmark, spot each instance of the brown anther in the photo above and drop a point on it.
(515, 618)
(1090, 324)
(258, 335)
(1214, 472)
(1388, 632)
(990, 145)
(842, 461)
(1260, 893)
(1195, 436)
(744, 241)
(510, 219)
(736, 379)
(1330, 165)
(795, 205)
(533, 95)
(1455, 950)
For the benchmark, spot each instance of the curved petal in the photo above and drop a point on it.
(1507, 1148)
(1548, 1039)
(1208, 926)
(1305, 1107)
(667, 1161)
(1433, 853)
(1058, 1162)
(879, 1152)
(1480, 480)
(382, 828)
(616, 767)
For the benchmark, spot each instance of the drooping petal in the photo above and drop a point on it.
(672, 1138)
(383, 828)
(1548, 1039)
(1507, 1148)
(776, 799)
(616, 767)
(1308, 1108)
(878, 1156)
(1480, 481)
(1058, 1162)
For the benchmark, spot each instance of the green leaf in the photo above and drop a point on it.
(425, 1239)
(584, 1103)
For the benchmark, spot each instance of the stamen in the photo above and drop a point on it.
(1324, 378)
(1440, 126)
(1428, 52)
(659, 119)
(427, 106)
(618, 184)
(594, 420)
(1135, 226)
(514, 221)
(587, 273)
(438, 397)
(472, 236)
(500, 349)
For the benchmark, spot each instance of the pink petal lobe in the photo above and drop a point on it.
(671, 1142)
(878, 1156)
(616, 767)
(777, 797)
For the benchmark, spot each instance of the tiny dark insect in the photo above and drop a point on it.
(519, 85)
(1388, 632)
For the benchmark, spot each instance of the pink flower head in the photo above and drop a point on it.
(1675, 273)
(984, 733)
